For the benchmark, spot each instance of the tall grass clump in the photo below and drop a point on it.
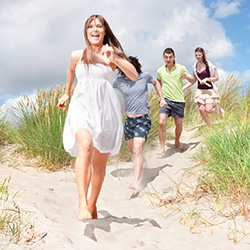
(15, 227)
(225, 159)
(192, 114)
(232, 94)
(39, 128)
(4, 125)
(245, 113)
(10, 219)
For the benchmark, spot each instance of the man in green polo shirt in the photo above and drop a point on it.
(170, 77)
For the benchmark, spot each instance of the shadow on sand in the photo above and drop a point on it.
(105, 223)
(172, 149)
(148, 174)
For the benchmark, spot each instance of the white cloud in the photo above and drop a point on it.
(221, 73)
(245, 77)
(38, 36)
(13, 103)
(242, 77)
(224, 8)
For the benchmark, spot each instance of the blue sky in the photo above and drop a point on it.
(236, 22)
(37, 36)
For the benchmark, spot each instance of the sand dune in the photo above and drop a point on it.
(127, 220)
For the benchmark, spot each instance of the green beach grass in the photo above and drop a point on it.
(39, 128)
(15, 224)
(10, 222)
(225, 157)
(225, 161)
(5, 129)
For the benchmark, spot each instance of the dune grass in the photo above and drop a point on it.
(225, 160)
(225, 157)
(39, 128)
(192, 115)
(15, 227)
(10, 222)
(5, 129)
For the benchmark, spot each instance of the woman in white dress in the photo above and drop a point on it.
(93, 127)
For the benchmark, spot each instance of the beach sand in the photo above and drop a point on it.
(127, 220)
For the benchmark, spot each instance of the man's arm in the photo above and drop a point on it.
(158, 87)
(159, 80)
(191, 79)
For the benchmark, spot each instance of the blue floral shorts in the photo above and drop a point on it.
(137, 127)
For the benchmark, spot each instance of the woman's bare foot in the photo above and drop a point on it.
(137, 187)
(161, 151)
(93, 211)
(94, 214)
(222, 112)
(179, 146)
(84, 213)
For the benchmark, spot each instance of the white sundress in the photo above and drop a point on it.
(95, 107)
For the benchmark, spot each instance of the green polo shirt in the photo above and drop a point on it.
(172, 82)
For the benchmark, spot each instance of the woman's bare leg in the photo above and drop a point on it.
(138, 161)
(212, 109)
(83, 170)
(204, 115)
(130, 144)
(99, 162)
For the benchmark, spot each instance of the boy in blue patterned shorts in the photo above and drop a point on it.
(137, 123)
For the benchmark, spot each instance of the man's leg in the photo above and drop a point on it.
(162, 132)
(178, 131)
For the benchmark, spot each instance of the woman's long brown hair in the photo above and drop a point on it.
(202, 51)
(109, 38)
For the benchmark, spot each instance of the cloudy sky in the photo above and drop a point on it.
(37, 36)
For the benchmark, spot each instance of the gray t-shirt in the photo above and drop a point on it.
(135, 93)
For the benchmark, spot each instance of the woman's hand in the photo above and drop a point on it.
(123, 64)
(109, 51)
(62, 100)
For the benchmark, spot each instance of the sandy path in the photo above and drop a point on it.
(124, 222)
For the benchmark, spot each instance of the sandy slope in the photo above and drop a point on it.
(126, 220)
